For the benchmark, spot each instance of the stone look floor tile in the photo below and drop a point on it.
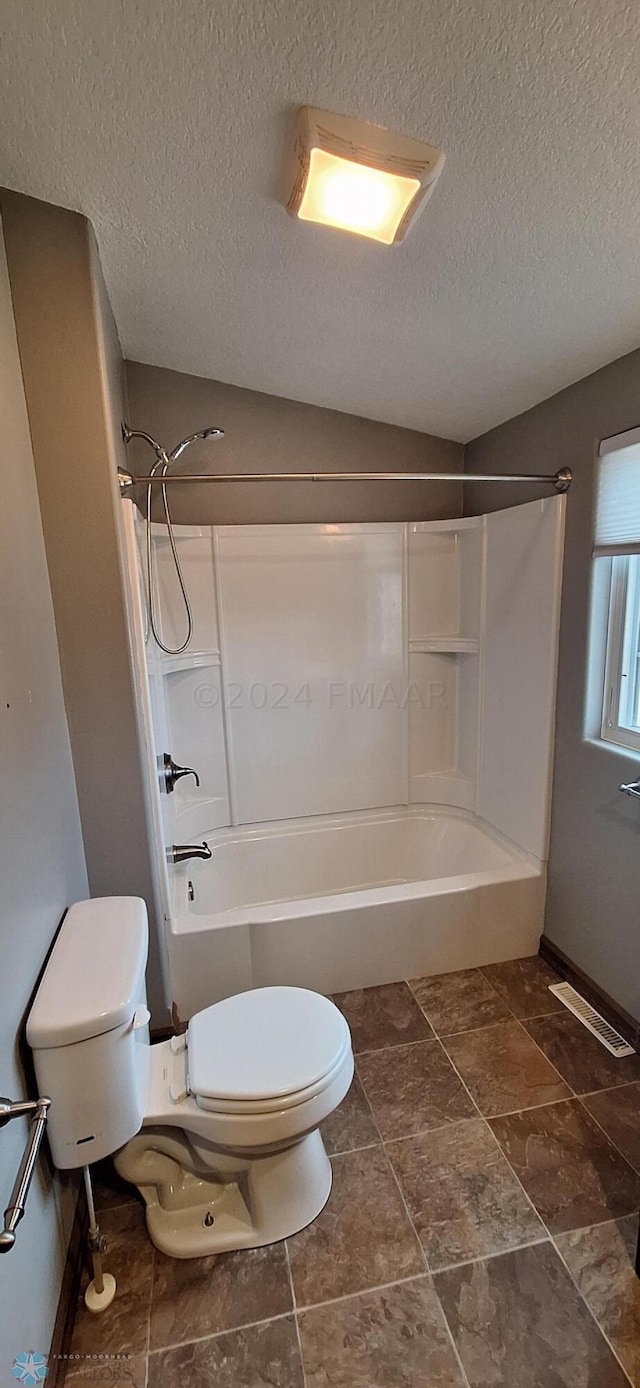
(194, 1297)
(362, 1238)
(517, 1318)
(581, 1059)
(412, 1088)
(618, 1112)
(463, 1198)
(459, 1002)
(395, 1338)
(523, 984)
(601, 1261)
(123, 1327)
(130, 1372)
(261, 1356)
(569, 1169)
(518, 1322)
(504, 1069)
(385, 1016)
(351, 1125)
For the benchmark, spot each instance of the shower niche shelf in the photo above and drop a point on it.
(444, 580)
(447, 645)
(189, 660)
(451, 787)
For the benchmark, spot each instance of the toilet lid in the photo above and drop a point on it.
(265, 1043)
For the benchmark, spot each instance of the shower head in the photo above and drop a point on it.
(210, 433)
(164, 458)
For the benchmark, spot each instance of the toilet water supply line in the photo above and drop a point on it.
(159, 475)
(102, 1288)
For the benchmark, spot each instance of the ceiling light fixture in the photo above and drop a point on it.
(360, 177)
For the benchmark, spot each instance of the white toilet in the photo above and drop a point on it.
(219, 1127)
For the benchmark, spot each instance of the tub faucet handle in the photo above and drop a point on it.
(170, 773)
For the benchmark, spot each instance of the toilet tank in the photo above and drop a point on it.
(89, 1029)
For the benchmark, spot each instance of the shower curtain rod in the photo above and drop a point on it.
(560, 480)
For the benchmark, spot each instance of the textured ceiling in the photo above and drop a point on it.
(165, 121)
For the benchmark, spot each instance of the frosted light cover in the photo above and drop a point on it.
(353, 197)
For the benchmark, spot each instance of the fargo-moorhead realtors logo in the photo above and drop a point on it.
(30, 1369)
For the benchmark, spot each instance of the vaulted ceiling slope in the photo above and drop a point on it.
(166, 121)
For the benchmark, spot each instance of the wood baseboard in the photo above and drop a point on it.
(628, 1026)
(69, 1292)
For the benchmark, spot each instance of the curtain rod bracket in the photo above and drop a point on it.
(126, 481)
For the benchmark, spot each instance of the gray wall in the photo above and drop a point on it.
(72, 369)
(41, 858)
(593, 910)
(265, 433)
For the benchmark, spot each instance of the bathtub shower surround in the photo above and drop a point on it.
(369, 709)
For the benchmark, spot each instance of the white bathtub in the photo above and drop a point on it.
(347, 901)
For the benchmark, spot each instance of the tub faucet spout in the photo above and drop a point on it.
(182, 852)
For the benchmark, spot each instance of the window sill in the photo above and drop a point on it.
(625, 753)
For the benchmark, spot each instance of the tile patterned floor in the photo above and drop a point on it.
(480, 1231)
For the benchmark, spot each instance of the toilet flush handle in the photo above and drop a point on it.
(141, 1017)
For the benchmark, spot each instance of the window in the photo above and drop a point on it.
(617, 554)
(621, 711)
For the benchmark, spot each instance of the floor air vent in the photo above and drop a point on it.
(591, 1019)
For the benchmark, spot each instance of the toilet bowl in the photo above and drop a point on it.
(219, 1127)
(229, 1155)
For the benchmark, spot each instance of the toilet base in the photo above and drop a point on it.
(193, 1212)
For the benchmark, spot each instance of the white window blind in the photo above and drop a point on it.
(617, 529)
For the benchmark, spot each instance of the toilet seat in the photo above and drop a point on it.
(274, 1105)
(266, 1050)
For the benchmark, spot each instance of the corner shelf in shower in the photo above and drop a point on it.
(189, 660)
(445, 645)
(451, 787)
